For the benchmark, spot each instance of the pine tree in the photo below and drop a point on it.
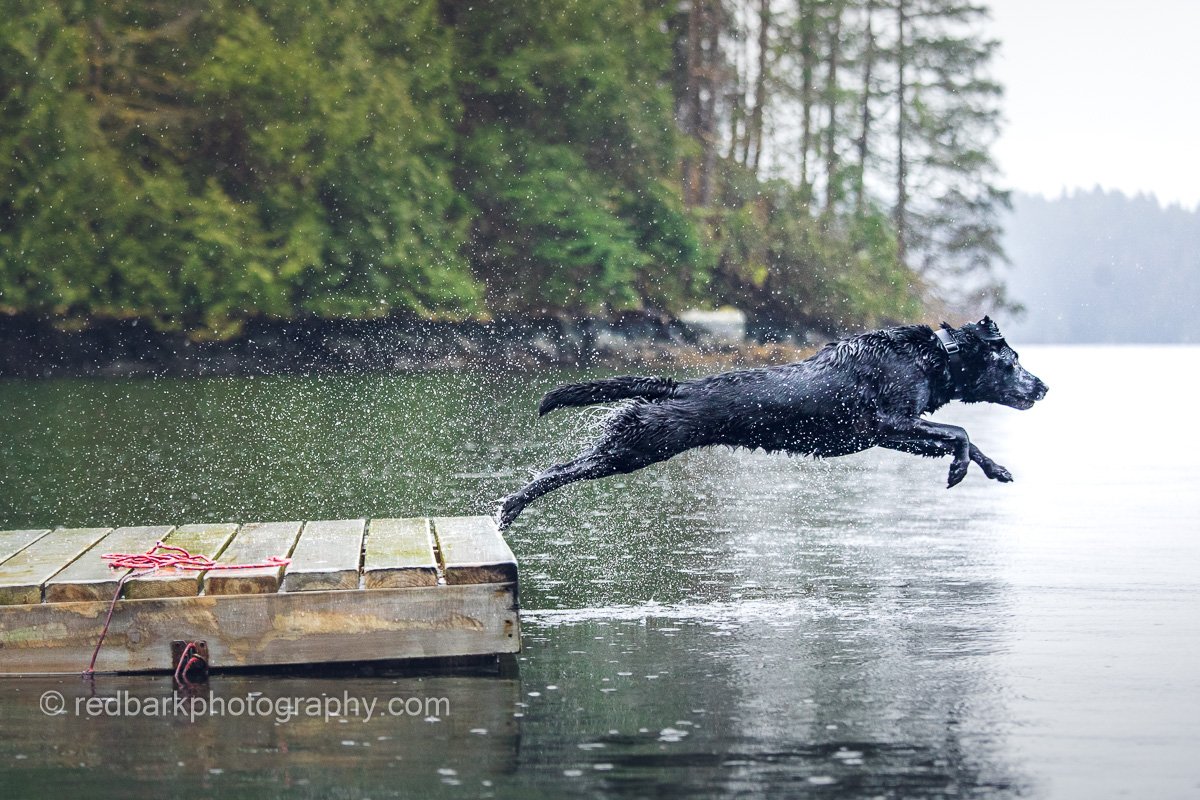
(867, 92)
(947, 201)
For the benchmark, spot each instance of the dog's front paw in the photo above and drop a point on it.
(998, 473)
(958, 471)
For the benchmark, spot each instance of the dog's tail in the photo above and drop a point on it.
(607, 390)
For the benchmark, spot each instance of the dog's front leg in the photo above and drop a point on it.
(990, 468)
(951, 437)
(930, 447)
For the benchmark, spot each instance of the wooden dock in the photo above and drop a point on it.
(354, 590)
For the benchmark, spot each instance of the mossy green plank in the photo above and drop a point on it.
(13, 542)
(327, 556)
(90, 577)
(23, 575)
(399, 553)
(203, 539)
(254, 543)
(473, 551)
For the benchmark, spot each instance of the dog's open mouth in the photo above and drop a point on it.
(1021, 403)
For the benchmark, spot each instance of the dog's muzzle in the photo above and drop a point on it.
(1030, 390)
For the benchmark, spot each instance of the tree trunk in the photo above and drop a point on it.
(760, 83)
(901, 212)
(860, 188)
(807, 57)
(709, 61)
(690, 105)
(737, 104)
(831, 97)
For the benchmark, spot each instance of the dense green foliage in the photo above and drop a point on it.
(567, 155)
(200, 165)
(776, 258)
(197, 168)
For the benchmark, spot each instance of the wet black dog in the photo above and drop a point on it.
(864, 391)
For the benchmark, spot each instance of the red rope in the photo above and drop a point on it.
(152, 560)
(179, 558)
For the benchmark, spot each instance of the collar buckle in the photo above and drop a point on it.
(954, 364)
(947, 341)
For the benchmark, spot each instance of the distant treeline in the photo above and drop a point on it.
(1101, 266)
(198, 165)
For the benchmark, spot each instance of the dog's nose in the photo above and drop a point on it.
(1040, 390)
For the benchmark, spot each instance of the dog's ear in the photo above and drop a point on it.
(990, 330)
(946, 326)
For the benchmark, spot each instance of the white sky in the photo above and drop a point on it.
(1100, 92)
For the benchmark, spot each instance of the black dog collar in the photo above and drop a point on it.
(951, 347)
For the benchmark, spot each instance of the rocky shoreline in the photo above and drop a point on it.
(32, 348)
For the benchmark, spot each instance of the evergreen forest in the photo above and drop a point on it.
(199, 165)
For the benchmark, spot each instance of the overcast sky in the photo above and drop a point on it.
(1101, 92)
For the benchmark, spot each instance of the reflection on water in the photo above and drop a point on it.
(724, 624)
(254, 737)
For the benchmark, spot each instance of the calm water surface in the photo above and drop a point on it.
(726, 624)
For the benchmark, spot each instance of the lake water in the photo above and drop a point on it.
(726, 624)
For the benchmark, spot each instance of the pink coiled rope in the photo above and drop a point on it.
(159, 557)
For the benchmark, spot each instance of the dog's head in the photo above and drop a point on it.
(990, 370)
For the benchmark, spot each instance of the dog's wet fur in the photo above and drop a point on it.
(868, 390)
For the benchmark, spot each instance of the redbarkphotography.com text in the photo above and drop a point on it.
(325, 707)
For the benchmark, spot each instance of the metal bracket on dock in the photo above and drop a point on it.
(198, 669)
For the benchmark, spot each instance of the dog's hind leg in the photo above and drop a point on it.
(636, 436)
(596, 463)
(554, 477)
(928, 447)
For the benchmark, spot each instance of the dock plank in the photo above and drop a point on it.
(23, 575)
(399, 553)
(13, 542)
(254, 542)
(89, 577)
(264, 629)
(473, 551)
(326, 557)
(207, 539)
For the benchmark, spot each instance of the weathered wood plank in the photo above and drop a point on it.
(399, 553)
(326, 557)
(89, 577)
(473, 551)
(200, 539)
(264, 629)
(13, 542)
(22, 576)
(254, 542)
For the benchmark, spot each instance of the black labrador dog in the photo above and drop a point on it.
(863, 391)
